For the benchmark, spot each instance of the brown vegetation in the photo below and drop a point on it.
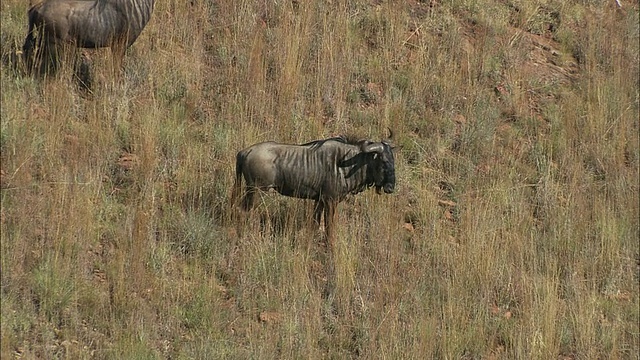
(513, 232)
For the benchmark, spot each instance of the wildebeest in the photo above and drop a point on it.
(323, 170)
(83, 23)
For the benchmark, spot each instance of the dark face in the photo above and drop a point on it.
(385, 173)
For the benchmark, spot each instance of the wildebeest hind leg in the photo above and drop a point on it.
(37, 54)
(247, 198)
(246, 203)
(28, 50)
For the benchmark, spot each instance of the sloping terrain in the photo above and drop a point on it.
(513, 232)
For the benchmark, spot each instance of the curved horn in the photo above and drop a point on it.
(372, 147)
(390, 133)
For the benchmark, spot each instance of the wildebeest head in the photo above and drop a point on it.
(382, 166)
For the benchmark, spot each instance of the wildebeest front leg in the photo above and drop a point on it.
(317, 212)
(118, 50)
(329, 219)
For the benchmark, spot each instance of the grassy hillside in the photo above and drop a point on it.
(513, 233)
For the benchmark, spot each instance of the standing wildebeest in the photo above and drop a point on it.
(84, 23)
(323, 170)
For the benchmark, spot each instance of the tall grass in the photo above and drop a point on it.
(513, 232)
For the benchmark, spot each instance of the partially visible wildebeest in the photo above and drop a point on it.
(83, 23)
(324, 170)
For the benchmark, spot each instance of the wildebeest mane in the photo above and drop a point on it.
(345, 139)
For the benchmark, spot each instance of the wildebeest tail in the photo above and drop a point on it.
(31, 42)
(237, 185)
(34, 17)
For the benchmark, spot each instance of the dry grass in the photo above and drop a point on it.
(513, 233)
